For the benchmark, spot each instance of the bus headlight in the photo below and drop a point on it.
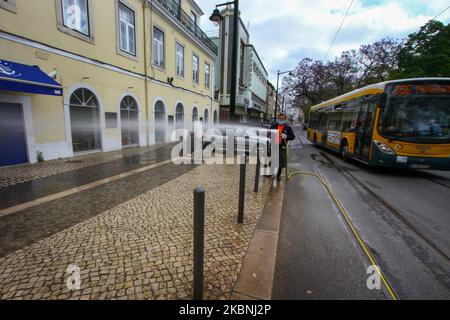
(384, 148)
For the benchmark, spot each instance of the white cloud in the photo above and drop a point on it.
(286, 31)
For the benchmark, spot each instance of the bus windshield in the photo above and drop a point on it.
(418, 114)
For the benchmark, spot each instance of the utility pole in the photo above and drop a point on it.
(278, 84)
(234, 64)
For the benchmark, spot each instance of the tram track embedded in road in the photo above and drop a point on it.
(428, 176)
(422, 235)
(362, 245)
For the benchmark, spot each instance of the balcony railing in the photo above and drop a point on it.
(176, 11)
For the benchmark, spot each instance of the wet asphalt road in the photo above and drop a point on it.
(402, 216)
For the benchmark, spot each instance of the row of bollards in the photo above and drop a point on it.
(199, 223)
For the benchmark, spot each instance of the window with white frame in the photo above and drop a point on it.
(158, 47)
(195, 69)
(75, 15)
(180, 60)
(207, 75)
(127, 35)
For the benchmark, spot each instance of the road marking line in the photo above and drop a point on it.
(352, 228)
(63, 194)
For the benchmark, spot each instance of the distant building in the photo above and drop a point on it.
(271, 101)
(251, 104)
(290, 108)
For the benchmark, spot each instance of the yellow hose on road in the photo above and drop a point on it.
(351, 226)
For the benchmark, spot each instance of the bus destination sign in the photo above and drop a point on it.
(407, 89)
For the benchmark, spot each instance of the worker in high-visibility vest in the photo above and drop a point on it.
(286, 134)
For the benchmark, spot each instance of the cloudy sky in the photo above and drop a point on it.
(285, 31)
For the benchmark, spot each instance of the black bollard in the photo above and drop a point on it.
(199, 241)
(242, 189)
(258, 172)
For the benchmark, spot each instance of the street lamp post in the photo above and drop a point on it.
(278, 83)
(217, 18)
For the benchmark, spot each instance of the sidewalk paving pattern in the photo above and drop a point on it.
(142, 248)
(43, 186)
(14, 175)
(28, 226)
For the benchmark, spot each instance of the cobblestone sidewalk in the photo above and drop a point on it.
(142, 249)
(10, 176)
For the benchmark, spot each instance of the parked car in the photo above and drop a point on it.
(246, 140)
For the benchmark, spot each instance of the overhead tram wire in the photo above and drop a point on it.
(440, 13)
(435, 17)
(339, 29)
(345, 17)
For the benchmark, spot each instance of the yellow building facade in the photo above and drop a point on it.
(131, 71)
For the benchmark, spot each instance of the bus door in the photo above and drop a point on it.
(364, 130)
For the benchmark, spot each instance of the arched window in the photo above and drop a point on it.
(129, 121)
(206, 117)
(215, 117)
(194, 117)
(85, 121)
(179, 116)
(160, 122)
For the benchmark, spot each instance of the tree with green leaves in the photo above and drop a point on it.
(425, 53)
(313, 82)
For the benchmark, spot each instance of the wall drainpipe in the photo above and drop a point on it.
(147, 107)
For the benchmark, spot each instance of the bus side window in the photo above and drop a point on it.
(326, 119)
(322, 121)
(311, 120)
(351, 112)
(314, 119)
(358, 118)
(335, 122)
(347, 121)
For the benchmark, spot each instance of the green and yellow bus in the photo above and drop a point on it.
(401, 123)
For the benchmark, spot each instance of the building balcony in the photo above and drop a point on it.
(176, 11)
(241, 100)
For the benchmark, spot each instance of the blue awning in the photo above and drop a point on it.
(30, 79)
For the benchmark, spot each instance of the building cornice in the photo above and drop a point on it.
(197, 7)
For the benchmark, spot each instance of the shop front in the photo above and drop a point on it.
(18, 84)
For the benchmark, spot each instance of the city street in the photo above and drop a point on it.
(402, 217)
(190, 150)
